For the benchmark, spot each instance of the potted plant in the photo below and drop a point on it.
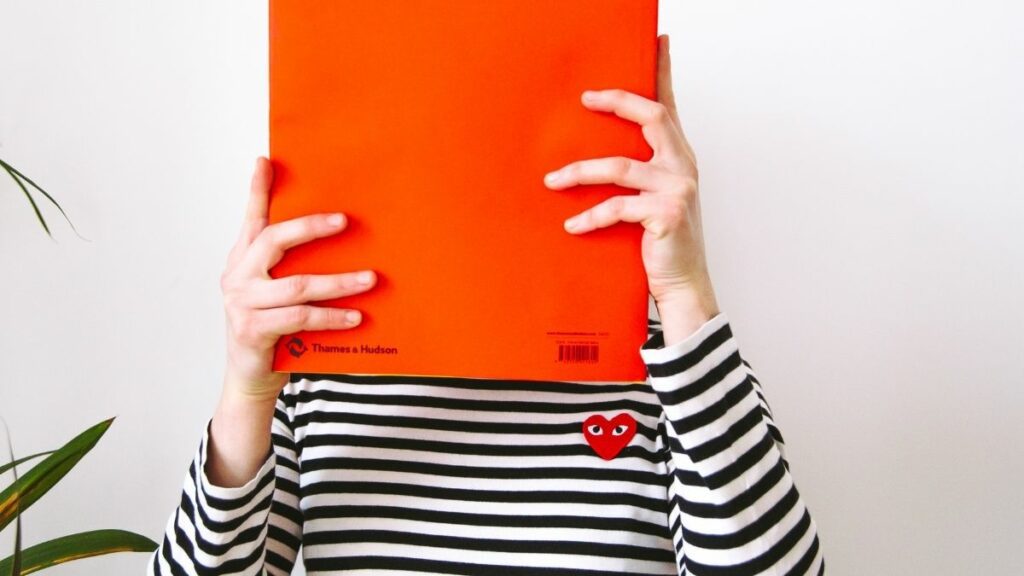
(30, 487)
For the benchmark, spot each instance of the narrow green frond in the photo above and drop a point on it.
(43, 476)
(29, 196)
(15, 173)
(81, 545)
(10, 465)
(15, 568)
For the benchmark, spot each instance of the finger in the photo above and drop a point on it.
(666, 91)
(258, 192)
(269, 246)
(259, 198)
(275, 322)
(301, 288)
(630, 208)
(666, 94)
(620, 170)
(654, 118)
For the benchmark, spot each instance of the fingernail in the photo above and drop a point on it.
(364, 277)
(334, 219)
(572, 223)
(552, 177)
(589, 95)
(352, 316)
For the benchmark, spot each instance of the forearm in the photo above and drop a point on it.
(735, 506)
(239, 437)
(247, 520)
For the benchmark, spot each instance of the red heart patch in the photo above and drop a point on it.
(609, 438)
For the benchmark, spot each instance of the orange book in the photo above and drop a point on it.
(430, 124)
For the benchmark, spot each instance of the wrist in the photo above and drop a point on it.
(239, 398)
(236, 408)
(683, 312)
(242, 416)
(241, 388)
(240, 438)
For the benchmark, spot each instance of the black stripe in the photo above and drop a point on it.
(776, 434)
(491, 520)
(688, 478)
(286, 450)
(748, 533)
(230, 524)
(505, 406)
(236, 565)
(447, 567)
(714, 412)
(801, 567)
(390, 421)
(474, 449)
(701, 385)
(677, 527)
(688, 360)
(274, 559)
(286, 487)
(279, 534)
(490, 472)
(735, 507)
(248, 535)
(724, 441)
(759, 563)
(154, 562)
(742, 465)
(490, 544)
(658, 505)
(176, 569)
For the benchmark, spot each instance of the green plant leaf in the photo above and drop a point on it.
(16, 557)
(16, 560)
(81, 545)
(37, 481)
(18, 176)
(10, 465)
(21, 185)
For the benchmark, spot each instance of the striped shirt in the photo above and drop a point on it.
(682, 474)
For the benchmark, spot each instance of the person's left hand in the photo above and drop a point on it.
(668, 205)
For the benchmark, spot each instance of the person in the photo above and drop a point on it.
(683, 474)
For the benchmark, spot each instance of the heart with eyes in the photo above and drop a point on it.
(608, 438)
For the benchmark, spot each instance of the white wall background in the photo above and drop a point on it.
(863, 193)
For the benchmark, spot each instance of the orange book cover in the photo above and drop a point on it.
(430, 124)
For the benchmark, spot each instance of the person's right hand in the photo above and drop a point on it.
(261, 309)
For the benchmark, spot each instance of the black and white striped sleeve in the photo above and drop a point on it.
(250, 529)
(734, 508)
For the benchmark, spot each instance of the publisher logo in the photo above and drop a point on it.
(296, 346)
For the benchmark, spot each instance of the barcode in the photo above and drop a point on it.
(577, 353)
